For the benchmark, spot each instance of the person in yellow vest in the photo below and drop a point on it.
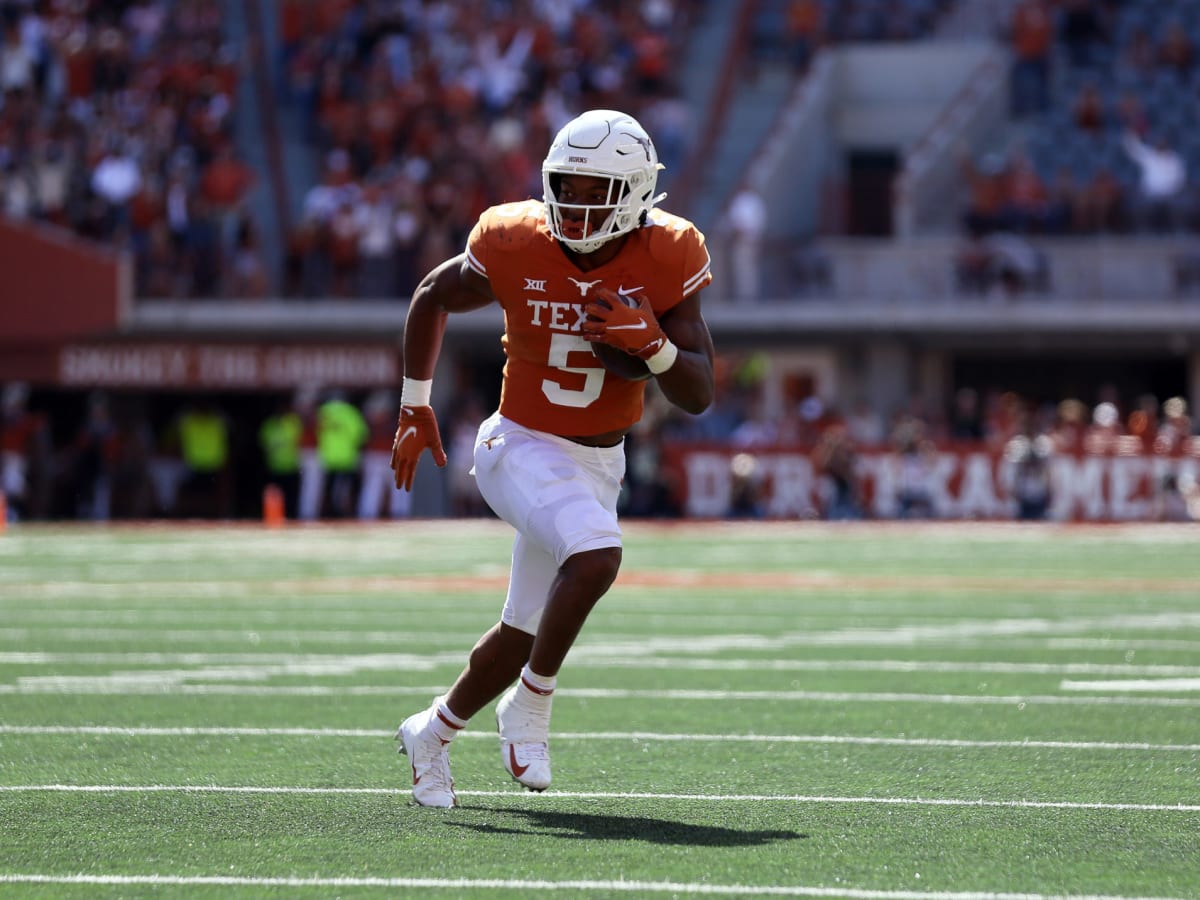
(279, 437)
(341, 433)
(204, 446)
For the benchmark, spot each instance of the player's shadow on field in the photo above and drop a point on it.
(623, 828)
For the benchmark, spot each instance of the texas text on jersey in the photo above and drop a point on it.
(552, 380)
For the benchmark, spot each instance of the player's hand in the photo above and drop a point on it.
(634, 329)
(416, 430)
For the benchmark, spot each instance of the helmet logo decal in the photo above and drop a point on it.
(644, 142)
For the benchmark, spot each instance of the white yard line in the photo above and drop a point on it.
(90, 685)
(483, 884)
(320, 661)
(586, 657)
(1135, 685)
(600, 795)
(876, 665)
(1121, 643)
(904, 635)
(640, 736)
(254, 636)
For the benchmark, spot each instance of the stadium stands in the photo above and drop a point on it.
(1051, 255)
(117, 122)
(420, 116)
(1122, 81)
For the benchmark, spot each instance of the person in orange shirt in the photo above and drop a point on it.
(226, 180)
(594, 281)
(224, 185)
(803, 30)
(1032, 38)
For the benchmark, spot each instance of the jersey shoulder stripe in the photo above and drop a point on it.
(673, 240)
(700, 279)
(474, 263)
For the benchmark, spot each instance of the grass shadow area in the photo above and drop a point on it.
(596, 827)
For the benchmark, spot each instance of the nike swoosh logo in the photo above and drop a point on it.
(517, 770)
(410, 430)
(637, 327)
(625, 292)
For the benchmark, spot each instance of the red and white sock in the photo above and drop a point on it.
(443, 724)
(535, 687)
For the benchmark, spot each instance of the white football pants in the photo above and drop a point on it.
(560, 496)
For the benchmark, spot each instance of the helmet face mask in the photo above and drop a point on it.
(616, 155)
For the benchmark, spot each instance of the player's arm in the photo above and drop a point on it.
(450, 288)
(688, 383)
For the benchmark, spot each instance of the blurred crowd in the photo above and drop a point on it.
(327, 451)
(1105, 93)
(423, 114)
(117, 121)
(795, 30)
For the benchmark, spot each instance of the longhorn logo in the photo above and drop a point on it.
(584, 286)
(644, 142)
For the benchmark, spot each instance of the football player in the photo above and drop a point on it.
(592, 266)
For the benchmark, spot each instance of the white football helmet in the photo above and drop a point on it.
(608, 144)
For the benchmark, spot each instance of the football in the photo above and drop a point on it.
(620, 363)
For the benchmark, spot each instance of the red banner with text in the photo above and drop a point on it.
(949, 482)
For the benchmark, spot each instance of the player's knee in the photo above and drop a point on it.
(501, 651)
(597, 568)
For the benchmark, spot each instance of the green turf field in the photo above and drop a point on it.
(954, 711)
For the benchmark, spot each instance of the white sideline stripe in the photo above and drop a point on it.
(906, 635)
(881, 665)
(211, 731)
(597, 795)
(1113, 644)
(674, 887)
(1134, 685)
(324, 662)
(88, 685)
(340, 617)
(244, 635)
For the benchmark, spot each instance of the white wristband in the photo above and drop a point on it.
(663, 359)
(415, 393)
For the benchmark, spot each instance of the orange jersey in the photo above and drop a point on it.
(552, 380)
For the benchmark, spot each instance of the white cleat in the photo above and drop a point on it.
(524, 740)
(430, 759)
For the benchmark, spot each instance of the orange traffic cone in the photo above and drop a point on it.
(272, 506)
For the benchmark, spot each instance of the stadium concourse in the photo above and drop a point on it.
(975, 263)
